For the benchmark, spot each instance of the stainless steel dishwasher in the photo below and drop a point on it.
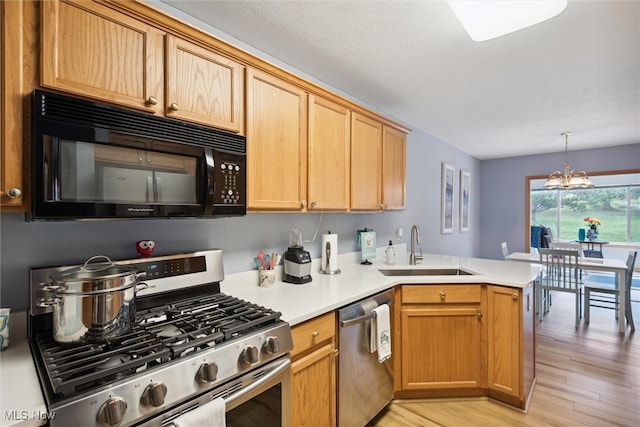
(365, 386)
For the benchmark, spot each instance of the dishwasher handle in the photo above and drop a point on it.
(361, 319)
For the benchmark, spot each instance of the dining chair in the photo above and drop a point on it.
(505, 250)
(574, 246)
(559, 244)
(600, 292)
(561, 273)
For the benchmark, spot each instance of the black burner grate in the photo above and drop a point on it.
(162, 334)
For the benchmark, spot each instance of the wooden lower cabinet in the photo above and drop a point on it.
(465, 340)
(313, 369)
(511, 339)
(442, 338)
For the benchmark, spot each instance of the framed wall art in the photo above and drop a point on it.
(465, 192)
(446, 204)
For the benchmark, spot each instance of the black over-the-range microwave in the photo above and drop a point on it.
(92, 160)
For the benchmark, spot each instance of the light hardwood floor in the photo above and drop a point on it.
(588, 376)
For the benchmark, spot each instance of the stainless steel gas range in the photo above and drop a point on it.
(191, 345)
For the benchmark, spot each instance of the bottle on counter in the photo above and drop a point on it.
(390, 254)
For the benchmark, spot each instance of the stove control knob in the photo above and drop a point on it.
(208, 372)
(249, 355)
(271, 345)
(153, 394)
(112, 411)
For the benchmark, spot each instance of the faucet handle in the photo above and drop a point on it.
(419, 256)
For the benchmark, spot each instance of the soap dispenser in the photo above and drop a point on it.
(390, 254)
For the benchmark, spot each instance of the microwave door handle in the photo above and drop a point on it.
(158, 189)
(211, 180)
(149, 196)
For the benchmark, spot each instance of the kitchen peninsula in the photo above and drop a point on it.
(477, 329)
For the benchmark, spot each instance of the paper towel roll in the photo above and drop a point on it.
(329, 252)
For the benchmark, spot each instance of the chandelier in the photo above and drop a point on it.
(568, 179)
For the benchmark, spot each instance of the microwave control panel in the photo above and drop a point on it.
(230, 180)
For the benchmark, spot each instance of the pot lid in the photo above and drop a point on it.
(94, 270)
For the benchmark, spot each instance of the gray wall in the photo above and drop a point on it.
(502, 185)
(27, 244)
(497, 214)
(44, 243)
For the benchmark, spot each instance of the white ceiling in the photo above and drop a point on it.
(412, 60)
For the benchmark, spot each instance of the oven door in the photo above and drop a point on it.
(260, 398)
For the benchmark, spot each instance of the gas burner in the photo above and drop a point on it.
(170, 331)
(113, 361)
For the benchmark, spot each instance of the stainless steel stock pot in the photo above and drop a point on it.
(92, 302)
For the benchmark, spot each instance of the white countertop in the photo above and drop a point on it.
(21, 401)
(324, 293)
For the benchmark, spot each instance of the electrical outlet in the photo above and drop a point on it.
(399, 233)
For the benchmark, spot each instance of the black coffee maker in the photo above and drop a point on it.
(297, 261)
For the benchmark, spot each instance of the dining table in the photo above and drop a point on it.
(611, 265)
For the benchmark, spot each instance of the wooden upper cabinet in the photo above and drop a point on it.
(276, 144)
(91, 50)
(393, 168)
(204, 87)
(366, 163)
(329, 155)
(12, 182)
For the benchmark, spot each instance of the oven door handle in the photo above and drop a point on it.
(251, 388)
(210, 166)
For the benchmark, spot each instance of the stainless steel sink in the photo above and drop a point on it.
(425, 272)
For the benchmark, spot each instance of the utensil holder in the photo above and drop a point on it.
(266, 278)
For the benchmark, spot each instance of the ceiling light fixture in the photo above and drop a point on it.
(568, 179)
(485, 20)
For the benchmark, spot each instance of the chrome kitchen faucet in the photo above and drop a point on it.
(415, 231)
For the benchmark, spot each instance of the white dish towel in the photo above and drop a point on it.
(381, 333)
(211, 414)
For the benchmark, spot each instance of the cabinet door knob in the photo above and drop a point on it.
(303, 203)
(479, 315)
(14, 193)
(313, 203)
(315, 334)
(383, 206)
(443, 294)
(336, 352)
(515, 296)
(173, 106)
(152, 100)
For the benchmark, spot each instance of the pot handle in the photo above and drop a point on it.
(84, 266)
(48, 301)
(47, 287)
(142, 286)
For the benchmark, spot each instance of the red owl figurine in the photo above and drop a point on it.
(145, 247)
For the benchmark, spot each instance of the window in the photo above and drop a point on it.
(614, 199)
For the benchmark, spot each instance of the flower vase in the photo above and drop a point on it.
(592, 234)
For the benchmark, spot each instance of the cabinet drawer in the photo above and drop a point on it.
(441, 294)
(313, 332)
